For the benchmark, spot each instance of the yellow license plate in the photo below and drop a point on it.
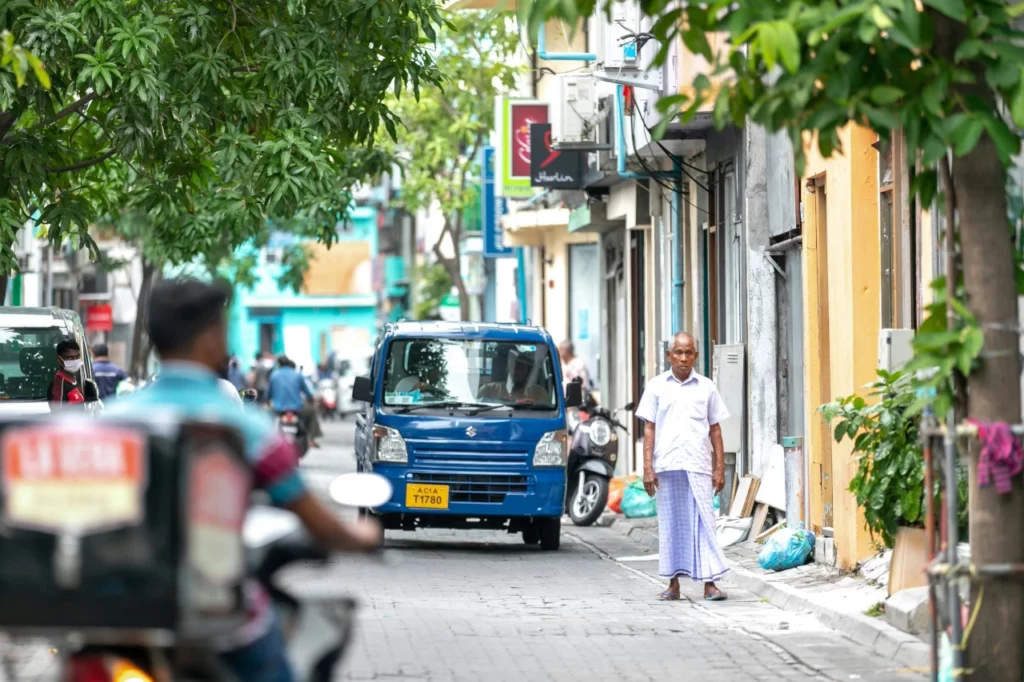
(426, 496)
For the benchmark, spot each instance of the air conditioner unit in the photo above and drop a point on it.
(895, 348)
(616, 39)
(575, 114)
(606, 158)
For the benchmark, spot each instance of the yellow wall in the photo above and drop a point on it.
(853, 278)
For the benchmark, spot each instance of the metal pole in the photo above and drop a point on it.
(48, 289)
(929, 529)
(953, 584)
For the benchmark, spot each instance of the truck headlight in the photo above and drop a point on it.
(550, 450)
(600, 432)
(389, 446)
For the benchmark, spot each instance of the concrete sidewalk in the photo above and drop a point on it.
(837, 599)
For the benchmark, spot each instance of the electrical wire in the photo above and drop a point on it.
(653, 172)
(676, 159)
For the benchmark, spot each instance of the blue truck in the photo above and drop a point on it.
(467, 421)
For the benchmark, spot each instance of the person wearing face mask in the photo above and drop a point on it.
(66, 387)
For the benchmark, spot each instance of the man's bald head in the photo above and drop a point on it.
(680, 338)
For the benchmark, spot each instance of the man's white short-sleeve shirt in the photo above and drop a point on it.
(682, 413)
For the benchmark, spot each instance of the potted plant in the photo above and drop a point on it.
(889, 483)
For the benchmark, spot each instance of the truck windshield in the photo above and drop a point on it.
(473, 372)
(28, 361)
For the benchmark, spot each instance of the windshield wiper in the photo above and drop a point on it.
(489, 407)
(446, 405)
(533, 406)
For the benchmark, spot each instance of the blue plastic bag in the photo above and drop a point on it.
(636, 503)
(787, 548)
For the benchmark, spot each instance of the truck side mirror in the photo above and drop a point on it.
(573, 394)
(90, 391)
(362, 389)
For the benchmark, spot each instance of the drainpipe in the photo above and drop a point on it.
(677, 263)
(521, 285)
(620, 145)
(542, 52)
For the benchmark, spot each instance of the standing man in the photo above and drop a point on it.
(573, 367)
(108, 375)
(684, 462)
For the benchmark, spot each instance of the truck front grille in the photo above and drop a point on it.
(478, 488)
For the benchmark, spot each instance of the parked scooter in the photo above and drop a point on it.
(327, 391)
(593, 452)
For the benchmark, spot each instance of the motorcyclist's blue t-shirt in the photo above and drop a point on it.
(193, 392)
(287, 389)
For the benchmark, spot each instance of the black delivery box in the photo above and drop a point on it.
(110, 525)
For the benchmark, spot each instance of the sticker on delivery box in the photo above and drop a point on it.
(218, 501)
(73, 480)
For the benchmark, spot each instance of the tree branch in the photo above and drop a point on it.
(66, 111)
(7, 121)
(83, 164)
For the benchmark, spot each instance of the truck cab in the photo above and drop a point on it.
(467, 421)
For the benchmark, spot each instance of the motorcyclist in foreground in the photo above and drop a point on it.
(186, 323)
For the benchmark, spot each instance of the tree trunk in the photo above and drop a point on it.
(141, 345)
(994, 649)
(4, 283)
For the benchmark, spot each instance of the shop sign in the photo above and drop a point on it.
(553, 168)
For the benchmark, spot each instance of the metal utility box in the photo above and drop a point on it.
(728, 371)
(895, 348)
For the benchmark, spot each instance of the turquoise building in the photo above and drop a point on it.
(336, 310)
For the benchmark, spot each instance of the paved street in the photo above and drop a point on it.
(447, 605)
(452, 605)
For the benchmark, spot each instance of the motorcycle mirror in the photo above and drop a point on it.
(248, 395)
(367, 491)
(629, 407)
(264, 525)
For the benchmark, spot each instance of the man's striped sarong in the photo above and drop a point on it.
(688, 543)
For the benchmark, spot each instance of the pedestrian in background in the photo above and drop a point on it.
(684, 468)
(107, 374)
(573, 366)
(235, 375)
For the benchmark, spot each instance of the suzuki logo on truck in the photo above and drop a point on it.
(471, 432)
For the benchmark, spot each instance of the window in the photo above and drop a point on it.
(28, 361)
(475, 372)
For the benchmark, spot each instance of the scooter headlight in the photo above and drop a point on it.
(389, 446)
(600, 432)
(550, 450)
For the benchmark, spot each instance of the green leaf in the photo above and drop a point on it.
(967, 135)
(1007, 143)
(954, 9)
(768, 42)
(885, 94)
(789, 46)
(881, 19)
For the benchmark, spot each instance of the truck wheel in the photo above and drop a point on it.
(531, 534)
(550, 533)
(589, 500)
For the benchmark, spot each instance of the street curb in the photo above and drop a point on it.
(873, 633)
